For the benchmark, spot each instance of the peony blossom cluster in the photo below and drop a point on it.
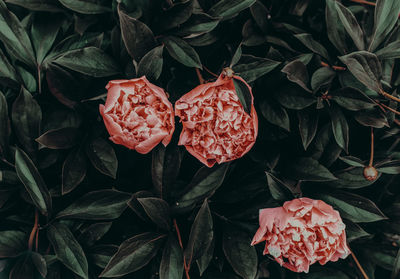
(302, 232)
(137, 114)
(216, 128)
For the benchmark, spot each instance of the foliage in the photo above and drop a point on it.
(324, 74)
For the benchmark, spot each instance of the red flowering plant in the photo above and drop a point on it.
(199, 139)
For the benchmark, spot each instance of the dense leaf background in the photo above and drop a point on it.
(324, 74)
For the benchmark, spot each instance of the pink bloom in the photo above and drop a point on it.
(137, 114)
(215, 126)
(302, 232)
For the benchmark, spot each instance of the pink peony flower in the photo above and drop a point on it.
(137, 114)
(215, 126)
(302, 232)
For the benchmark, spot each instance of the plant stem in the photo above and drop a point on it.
(34, 229)
(199, 76)
(336, 68)
(371, 159)
(387, 95)
(178, 234)
(364, 2)
(359, 265)
(37, 240)
(389, 108)
(39, 79)
(208, 71)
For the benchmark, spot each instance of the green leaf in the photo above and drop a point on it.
(252, 68)
(44, 31)
(37, 5)
(351, 178)
(12, 243)
(352, 99)
(201, 235)
(293, 97)
(14, 37)
(8, 75)
(73, 171)
(137, 36)
(97, 205)
(133, 254)
(391, 51)
(62, 138)
(175, 15)
(365, 66)
(182, 52)
(236, 56)
(244, 94)
(203, 184)
(340, 127)
(308, 124)
(308, 169)
(313, 45)
(151, 64)
(353, 161)
(165, 165)
(4, 125)
(26, 118)
(354, 231)
(33, 182)
(23, 268)
(275, 114)
(386, 17)
(84, 6)
(239, 253)
(40, 263)
(158, 211)
(279, 190)
(322, 77)
(171, 265)
(90, 61)
(396, 266)
(372, 118)
(67, 249)
(261, 15)
(353, 207)
(228, 8)
(101, 254)
(324, 147)
(103, 157)
(198, 23)
(94, 232)
(297, 72)
(204, 261)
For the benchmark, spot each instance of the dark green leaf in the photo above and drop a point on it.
(73, 170)
(308, 169)
(228, 8)
(351, 178)
(340, 127)
(244, 94)
(279, 190)
(199, 23)
(275, 114)
(391, 51)
(90, 61)
(67, 249)
(26, 118)
(14, 37)
(85, 6)
(372, 118)
(166, 162)
(386, 16)
(133, 254)
(239, 253)
(103, 157)
(251, 68)
(308, 124)
(33, 182)
(204, 261)
(94, 233)
(312, 45)
(171, 265)
(203, 184)
(4, 125)
(182, 52)
(23, 268)
(353, 207)
(176, 15)
(352, 99)
(37, 5)
(8, 75)
(297, 72)
(201, 234)
(293, 97)
(261, 15)
(151, 64)
(353, 161)
(63, 138)
(101, 254)
(40, 263)
(365, 66)
(137, 36)
(97, 205)
(158, 211)
(12, 243)
(322, 77)
(354, 231)
(236, 56)
(396, 266)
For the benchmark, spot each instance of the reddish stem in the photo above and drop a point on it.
(359, 265)
(178, 234)
(371, 159)
(364, 2)
(208, 71)
(34, 229)
(199, 76)
(336, 68)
